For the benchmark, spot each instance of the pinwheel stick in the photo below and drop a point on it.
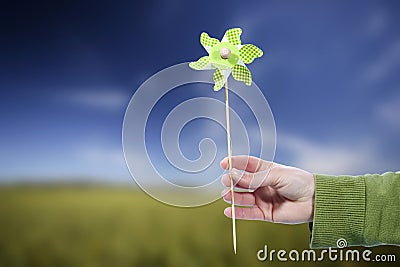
(228, 135)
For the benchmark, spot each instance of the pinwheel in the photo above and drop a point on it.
(228, 56)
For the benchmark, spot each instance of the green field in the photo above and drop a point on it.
(109, 226)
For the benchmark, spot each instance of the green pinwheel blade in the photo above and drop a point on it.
(218, 79)
(242, 73)
(250, 52)
(233, 36)
(207, 41)
(200, 64)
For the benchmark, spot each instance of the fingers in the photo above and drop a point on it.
(241, 198)
(247, 163)
(253, 213)
(226, 181)
(250, 180)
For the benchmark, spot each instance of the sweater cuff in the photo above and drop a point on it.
(339, 211)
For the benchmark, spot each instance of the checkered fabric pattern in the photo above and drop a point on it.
(200, 64)
(241, 73)
(233, 36)
(206, 40)
(250, 52)
(218, 80)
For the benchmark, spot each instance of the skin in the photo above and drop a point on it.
(275, 192)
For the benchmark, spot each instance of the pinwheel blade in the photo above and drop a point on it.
(208, 41)
(218, 80)
(233, 36)
(250, 52)
(201, 64)
(242, 73)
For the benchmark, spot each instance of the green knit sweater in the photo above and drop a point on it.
(363, 210)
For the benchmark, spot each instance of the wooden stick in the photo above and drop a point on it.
(228, 135)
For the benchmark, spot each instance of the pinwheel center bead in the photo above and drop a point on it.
(225, 53)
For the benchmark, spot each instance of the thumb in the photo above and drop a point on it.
(249, 180)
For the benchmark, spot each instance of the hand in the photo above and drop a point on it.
(278, 193)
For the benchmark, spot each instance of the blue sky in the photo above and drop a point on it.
(68, 70)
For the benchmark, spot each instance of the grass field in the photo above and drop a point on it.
(101, 226)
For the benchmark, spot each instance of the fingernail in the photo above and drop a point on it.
(224, 192)
(236, 173)
(226, 212)
(225, 178)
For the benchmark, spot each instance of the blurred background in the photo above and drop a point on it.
(68, 69)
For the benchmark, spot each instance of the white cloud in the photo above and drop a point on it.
(100, 155)
(103, 161)
(333, 158)
(100, 99)
(377, 22)
(388, 112)
(383, 65)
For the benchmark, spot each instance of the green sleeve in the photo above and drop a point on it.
(363, 210)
